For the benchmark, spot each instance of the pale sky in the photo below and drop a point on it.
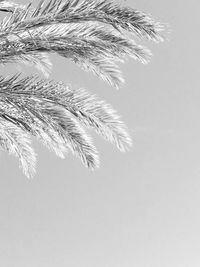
(140, 209)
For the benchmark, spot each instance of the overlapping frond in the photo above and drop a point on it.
(96, 36)
(56, 114)
(104, 11)
(90, 33)
(93, 48)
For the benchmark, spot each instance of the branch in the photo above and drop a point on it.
(90, 34)
(56, 114)
(93, 48)
(104, 11)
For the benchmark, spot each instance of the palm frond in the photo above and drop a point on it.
(104, 11)
(31, 94)
(93, 48)
(74, 29)
(56, 114)
(96, 36)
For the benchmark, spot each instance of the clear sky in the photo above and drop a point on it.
(140, 209)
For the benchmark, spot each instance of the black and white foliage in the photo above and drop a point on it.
(96, 35)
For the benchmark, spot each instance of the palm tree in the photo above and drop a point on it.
(96, 35)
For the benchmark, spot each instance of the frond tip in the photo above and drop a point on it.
(16, 142)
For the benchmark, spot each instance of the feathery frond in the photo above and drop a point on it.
(104, 11)
(93, 48)
(32, 94)
(94, 35)
(89, 33)
(55, 114)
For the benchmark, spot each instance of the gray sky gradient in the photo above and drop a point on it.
(140, 209)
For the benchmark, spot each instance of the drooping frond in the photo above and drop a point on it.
(104, 11)
(94, 34)
(92, 48)
(56, 114)
(30, 93)
(88, 33)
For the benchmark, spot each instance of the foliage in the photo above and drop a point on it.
(96, 35)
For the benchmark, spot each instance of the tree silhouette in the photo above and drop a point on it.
(96, 35)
